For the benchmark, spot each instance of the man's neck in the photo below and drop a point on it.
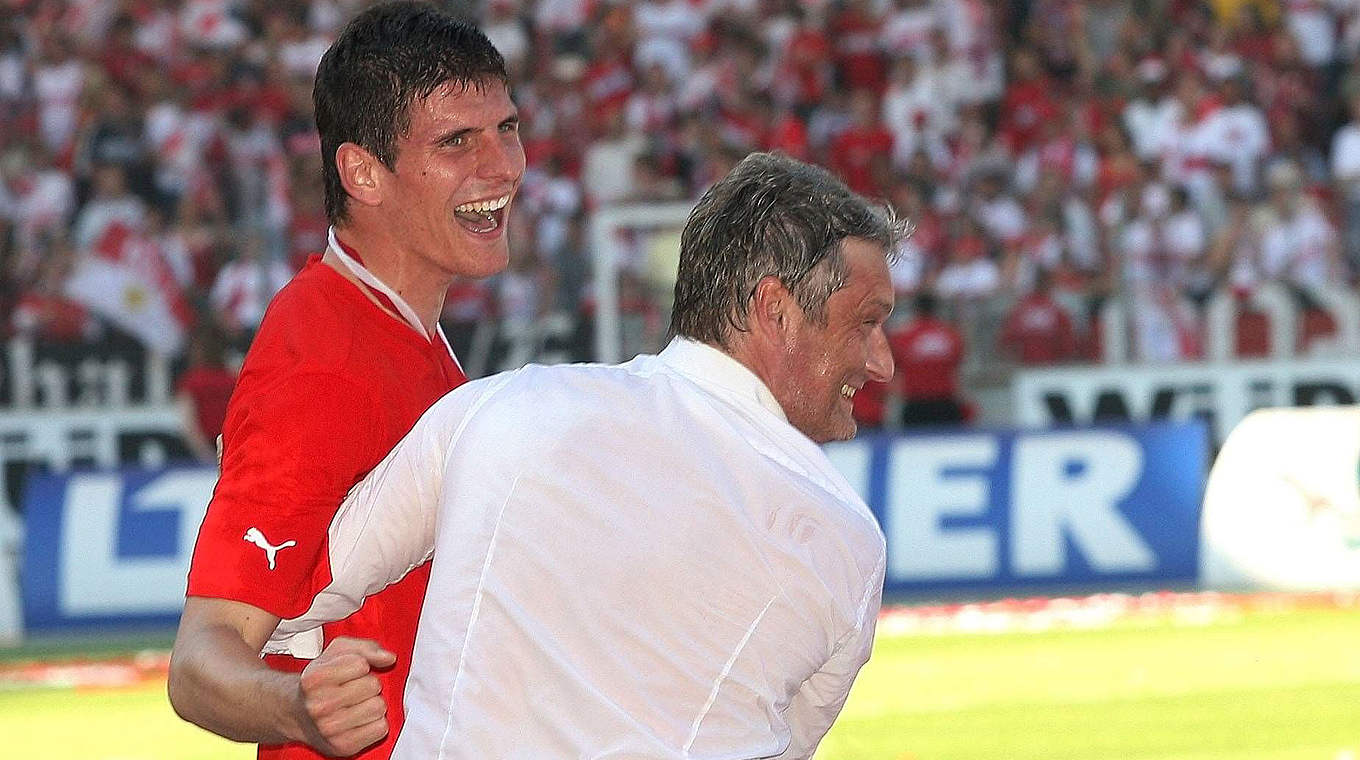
(422, 289)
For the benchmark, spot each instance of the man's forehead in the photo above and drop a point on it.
(470, 88)
(451, 101)
(868, 284)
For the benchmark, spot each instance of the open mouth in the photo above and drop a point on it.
(482, 217)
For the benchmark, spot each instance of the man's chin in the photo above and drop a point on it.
(832, 434)
(484, 260)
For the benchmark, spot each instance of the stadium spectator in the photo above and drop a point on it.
(1298, 244)
(971, 274)
(1028, 104)
(1234, 255)
(202, 392)
(1152, 114)
(1166, 327)
(927, 352)
(244, 287)
(1237, 135)
(503, 26)
(59, 76)
(862, 152)
(1185, 243)
(907, 29)
(37, 199)
(1345, 173)
(1313, 26)
(422, 158)
(111, 203)
(607, 167)
(114, 138)
(1037, 329)
(44, 312)
(917, 113)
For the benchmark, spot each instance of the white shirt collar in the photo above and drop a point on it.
(709, 366)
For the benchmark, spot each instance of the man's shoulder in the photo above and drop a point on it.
(313, 325)
(313, 296)
(565, 388)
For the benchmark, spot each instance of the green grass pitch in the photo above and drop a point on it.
(1264, 686)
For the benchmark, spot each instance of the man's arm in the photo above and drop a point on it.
(814, 708)
(218, 681)
(274, 486)
(384, 529)
(386, 525)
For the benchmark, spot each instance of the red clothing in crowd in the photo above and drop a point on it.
(870, 403)
(857, 153)
(209, 389)
(331, 383)
(808, 56)
(788, 135)
(1038, 331)
(608, 85)
(307, 230)
(1026, 107)
(927, 352)
(859, 62)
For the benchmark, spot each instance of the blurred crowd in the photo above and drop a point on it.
(1050, 154)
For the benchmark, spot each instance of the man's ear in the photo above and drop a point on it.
(361, 173)
(772, 309)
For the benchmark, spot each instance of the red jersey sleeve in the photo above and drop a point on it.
(292, 449)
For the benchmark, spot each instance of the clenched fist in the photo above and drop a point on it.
(341, 696)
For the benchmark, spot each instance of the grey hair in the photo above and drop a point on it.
(771, 216)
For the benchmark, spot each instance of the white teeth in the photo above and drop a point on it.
(847, 391)
(483, 207)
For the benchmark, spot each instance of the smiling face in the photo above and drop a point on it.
(456, 172)
(824, 365)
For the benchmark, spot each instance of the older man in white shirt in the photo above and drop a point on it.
(653, 559)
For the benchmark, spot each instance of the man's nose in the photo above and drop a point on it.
(503, 160)
(880, 364)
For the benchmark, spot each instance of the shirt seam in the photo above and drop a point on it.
(723, 676)
(472, 617)
(490, 550)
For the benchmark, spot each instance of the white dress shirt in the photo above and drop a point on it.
(634, 561)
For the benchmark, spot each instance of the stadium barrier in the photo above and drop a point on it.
(994, 510)
(1219, 393)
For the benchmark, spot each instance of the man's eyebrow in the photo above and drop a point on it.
(880, 304)
(454, 134)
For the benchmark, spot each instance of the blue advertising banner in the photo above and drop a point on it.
(988, 510)
(110, 547)
(1090, 507)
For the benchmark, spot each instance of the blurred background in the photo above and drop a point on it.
(1135, 223)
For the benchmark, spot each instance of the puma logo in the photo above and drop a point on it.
(254, 536)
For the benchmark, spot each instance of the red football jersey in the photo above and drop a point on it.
(329, 386)
(210, 390)
(927, 353)
(1038, 331)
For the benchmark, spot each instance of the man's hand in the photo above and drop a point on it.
(342, 698)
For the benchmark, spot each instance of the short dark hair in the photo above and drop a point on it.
(771, 216)
(384, 60)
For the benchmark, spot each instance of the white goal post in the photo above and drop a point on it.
(615, 245)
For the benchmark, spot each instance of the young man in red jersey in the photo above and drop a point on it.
(422, 157)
